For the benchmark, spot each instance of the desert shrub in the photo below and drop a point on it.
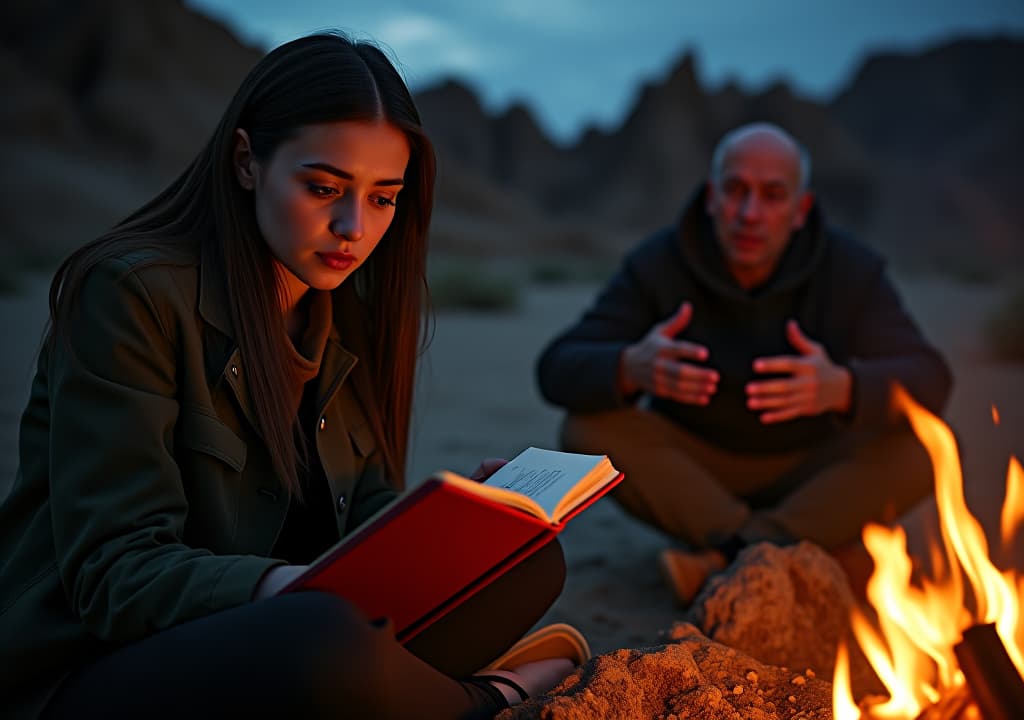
(469, 286)
(571, 270)
(967, 269)
(1004, 329)
(21, 261)
(8, 282)
(551, 273)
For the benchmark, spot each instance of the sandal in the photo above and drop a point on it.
(551, 641)
(507, 682)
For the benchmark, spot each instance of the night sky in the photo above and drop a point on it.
(580, 62)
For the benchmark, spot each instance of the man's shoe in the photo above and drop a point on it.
(686, 572)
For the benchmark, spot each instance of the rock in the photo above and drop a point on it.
(693, 678)
(786, 606)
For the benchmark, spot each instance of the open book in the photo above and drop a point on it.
(442, 541)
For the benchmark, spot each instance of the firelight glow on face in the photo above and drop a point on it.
(327, 196)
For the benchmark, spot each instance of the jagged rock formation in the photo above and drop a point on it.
(107, 100)
(942, 126)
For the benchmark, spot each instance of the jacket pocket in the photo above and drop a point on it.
(207, 434)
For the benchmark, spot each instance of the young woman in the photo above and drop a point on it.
(224, 392)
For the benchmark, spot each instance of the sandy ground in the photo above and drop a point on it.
(477, 399)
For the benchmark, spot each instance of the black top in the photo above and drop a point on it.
(835, 287)
(310, 527)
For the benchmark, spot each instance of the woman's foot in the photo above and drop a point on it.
(537, 662)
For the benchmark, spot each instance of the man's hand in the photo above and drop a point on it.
(657, 364)
(817, 385)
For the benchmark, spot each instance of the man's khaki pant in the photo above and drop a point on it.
(704, 495)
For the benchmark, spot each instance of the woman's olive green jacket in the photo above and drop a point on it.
(144, 495)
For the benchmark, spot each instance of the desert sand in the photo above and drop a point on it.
(477, 398)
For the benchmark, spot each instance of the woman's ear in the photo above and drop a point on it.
(243, 160)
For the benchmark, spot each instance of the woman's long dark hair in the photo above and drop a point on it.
(315, 79)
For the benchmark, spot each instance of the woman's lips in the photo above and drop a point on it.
(337, 261)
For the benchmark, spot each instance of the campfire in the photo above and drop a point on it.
(950, 646)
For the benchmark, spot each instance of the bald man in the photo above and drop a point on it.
(738, 370)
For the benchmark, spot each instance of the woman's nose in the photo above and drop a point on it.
(348, 223)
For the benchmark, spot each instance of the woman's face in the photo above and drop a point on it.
(325, 197)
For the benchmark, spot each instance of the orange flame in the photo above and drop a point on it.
(843, 707)
(1013, 506)
(911, 650)
(995, 414)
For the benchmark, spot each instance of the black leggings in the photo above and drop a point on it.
(314, 655)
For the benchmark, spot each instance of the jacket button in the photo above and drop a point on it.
(323, 422)
(341, 503)
(234, 370)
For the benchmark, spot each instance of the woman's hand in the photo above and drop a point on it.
(276, 578)
(487, 468)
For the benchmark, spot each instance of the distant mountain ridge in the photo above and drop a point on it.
(107, 100)
(915, 155)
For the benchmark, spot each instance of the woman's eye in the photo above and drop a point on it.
(382, 201)
(321, 191)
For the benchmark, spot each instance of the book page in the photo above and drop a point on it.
(547, 476)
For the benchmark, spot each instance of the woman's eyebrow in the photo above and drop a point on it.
(328, 168)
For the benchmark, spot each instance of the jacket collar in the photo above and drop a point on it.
(335, 367)
(224, 359)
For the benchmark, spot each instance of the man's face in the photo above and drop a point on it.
(756, 203)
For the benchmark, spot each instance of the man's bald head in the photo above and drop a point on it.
(757, 198)
(762, 133)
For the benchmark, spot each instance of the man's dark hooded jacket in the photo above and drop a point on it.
(833, 286)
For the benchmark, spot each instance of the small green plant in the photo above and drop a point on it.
(470, 287)
(571, 270)
(551, 273)
(1004, 329)
(967, 270)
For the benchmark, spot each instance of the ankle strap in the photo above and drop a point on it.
(502, 680)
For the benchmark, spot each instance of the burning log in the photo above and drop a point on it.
(990, 673)
(956, 705)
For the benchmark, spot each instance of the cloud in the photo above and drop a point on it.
(431, 45)
(551, 17)
(579, 59)
(409, 29)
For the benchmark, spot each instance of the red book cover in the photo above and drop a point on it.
(430, 550)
